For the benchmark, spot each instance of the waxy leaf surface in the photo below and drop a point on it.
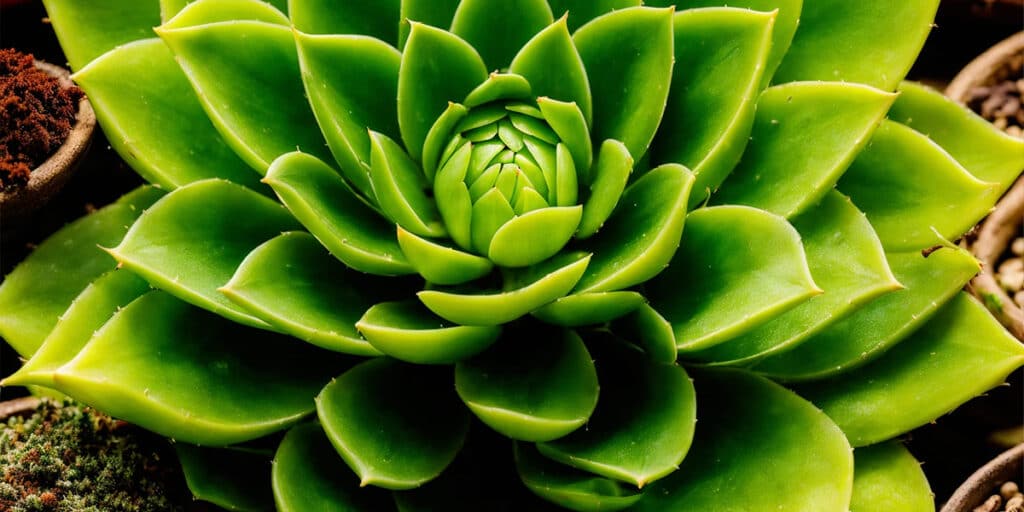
(887, 477)
(499, 29)
(88, 30)
(582, 11)
(377, 19)
(554, 68)
(232, 478)
(568, 487)
(409, 332)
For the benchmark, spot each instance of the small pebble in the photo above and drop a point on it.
(1011, 274)
(1019, 298)
(1015, 504)
(992, 504)
(1017, 247)
(1009, 490)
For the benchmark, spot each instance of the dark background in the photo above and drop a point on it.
(950, 449)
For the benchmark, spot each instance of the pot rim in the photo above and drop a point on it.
(18, 407)
(984, 66)
(983, 482)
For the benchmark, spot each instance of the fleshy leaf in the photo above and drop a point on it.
(190, 242)
(643, 233)
(862, 336)
(261, 125)
(150, 114)
(346, 108)
(40, 289)
(643, 424)
(437, 13)
(628, 57)
(829, 121)
(910, 189)
(490, 212)
(846, 260)
(960, 353)
(499, 86)
(168, 8)
(452, 197)
(401, 188)
(589, 308)
(308, 475)
(647, 329)
(985, 151)
(535, 384)
(756, 431)
(607, 180)
(440, 264)
(190, 375)
(710, 107)
(554, 68)
(327, 207)
(727, 252)
(499, 29)
(319, 300)
(374, 416)
(202, 12)
(887, 477)
(409, 332)
(873, 42)
(570, 124)
(534, 236)
(541, 285)
(87, 31)
(377, 19)
(439, 136)
(582, 11)
(568, 487)
(437, 68)
(231, 478)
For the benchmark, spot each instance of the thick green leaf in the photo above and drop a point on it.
(308, 475)
(453, 199)
(568, 487)
(190, 242)
(830, 122)
(642, 235)
(720, 55)
(344, 107)
(331, 211)
(499, 29)
(150, 114)
(439, 136)
(570, 124)
(231, 478)
(499, 86)
(193, 376)
(887, 477)
(535, 384)
(168, 8)
(759, 448)
(88, 30)
(536, 287)
(293, 284)
(534, 236)
(554, 68)
(643, 424)
(377, 19)
(911, 189)
(647, 329)
(868, 332)
(440, 264)
(960, 353)
(873, 42)
(582, 11)
(253, 97)
(607, 180)
(40, 289)
(437, 67)
(202, 12)
(409, 332)
(846, 260)
(595, 308)
(374, 416)
(490, 212)
(628, 57)
(985, 151)
(707, 291)
(401, 189)
(437, 13)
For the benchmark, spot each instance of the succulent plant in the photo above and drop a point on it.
(454, 230)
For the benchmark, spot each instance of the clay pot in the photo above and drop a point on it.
(986, 481)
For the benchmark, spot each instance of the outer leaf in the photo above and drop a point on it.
(499, 29)
(957, 355)
(437, 67)
(439, 136)
(570, 123)
(757, 431)
(829, 122)
(202, 12)
(87, 31)
(629, 92)
(293, 284)
(377, 19)
(308, 475)
(582, 11)
(409, 332)
(373, 414)
(438, 13)
(883, 322)
(232, 478)
(568, 487)
(910, 189)
(150, 114)
(727, 252)
(193, 376)
(643, 234)
(168, 8)
(261, 126)
(872, 42)
(984, 150)
(191, 241)
(440, 264)
(554, 68)
(710, 107)
(887, 477)
(401, 189)
(596, 308)
(37, 292)
(607, 180)
(643, 425)
(647, 329)
(533, 385)
(345, 108)
(324, 204)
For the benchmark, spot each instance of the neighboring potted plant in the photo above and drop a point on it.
(502, 307)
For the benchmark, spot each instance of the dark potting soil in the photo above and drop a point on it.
(36, 115)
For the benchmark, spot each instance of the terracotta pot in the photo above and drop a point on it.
(986, 481)
(47, 179)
